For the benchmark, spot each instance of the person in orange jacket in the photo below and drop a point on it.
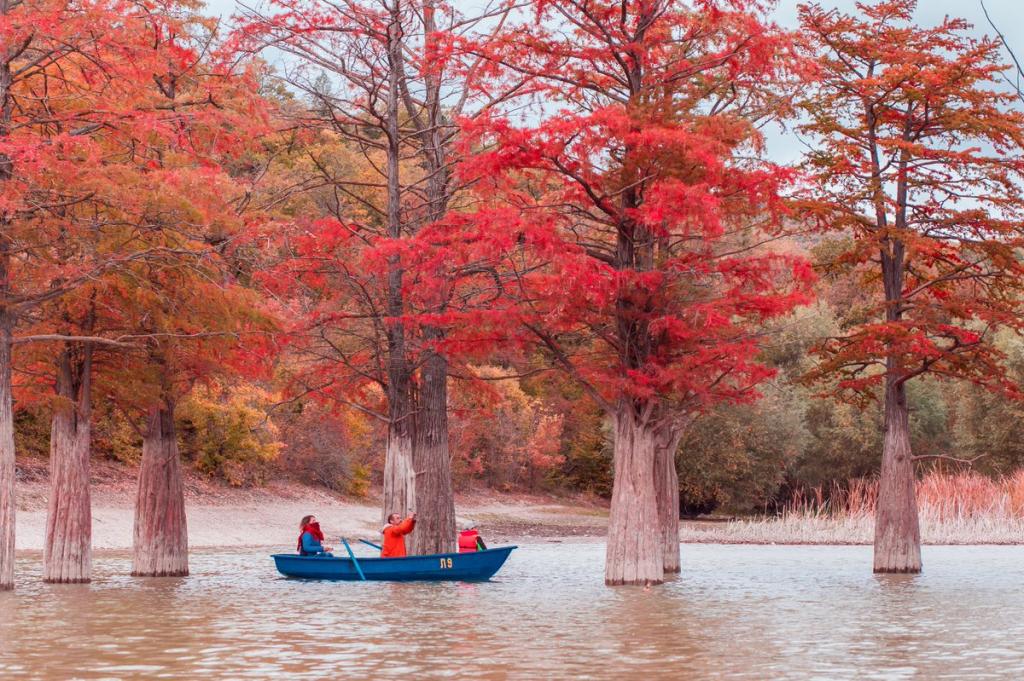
(394, 535)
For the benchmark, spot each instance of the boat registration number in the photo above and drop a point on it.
(446, 563)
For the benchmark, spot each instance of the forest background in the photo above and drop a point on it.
(537, 432)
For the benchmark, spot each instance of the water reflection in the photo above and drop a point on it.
(736, 612)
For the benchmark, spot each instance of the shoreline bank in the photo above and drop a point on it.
(220, 516)
(224, 516)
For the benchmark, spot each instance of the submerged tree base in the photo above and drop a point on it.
(70, 580)
(650, 582)
(635, 553)
(161, 535)
(897, 571)
(897, 525)
(160, 573)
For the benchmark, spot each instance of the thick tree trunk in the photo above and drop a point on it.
(635, 553)
(897, 533)
(7, 465)
(435, 523)
(666, 481)
(399, 463)
(67, 553)
(161, 534)
(6, 458)
(435, 520)
(399, 475)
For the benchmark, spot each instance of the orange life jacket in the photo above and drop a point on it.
(394, 538)
(467, 541)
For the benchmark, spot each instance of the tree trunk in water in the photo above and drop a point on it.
(7, 465)
(666, 480)
(6, 459)
(161, 534)
(897, 533)
(67, 553)
(435, 519)
(635, 552)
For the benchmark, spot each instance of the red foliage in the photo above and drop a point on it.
(361, 287)
(125, 200)
(632, 221)
(917, 166)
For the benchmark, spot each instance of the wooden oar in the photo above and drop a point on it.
(370, 543)
(354, 560)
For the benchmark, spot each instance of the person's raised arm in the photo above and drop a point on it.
(407, 525)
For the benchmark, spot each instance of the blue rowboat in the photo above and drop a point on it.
(466, 567)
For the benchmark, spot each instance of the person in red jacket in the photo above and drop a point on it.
(394, 535)
(311, 538)
(471, 541)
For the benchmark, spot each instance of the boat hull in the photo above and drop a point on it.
(467, 567)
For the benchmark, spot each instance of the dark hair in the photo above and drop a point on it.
(305, 521)
(393, 515)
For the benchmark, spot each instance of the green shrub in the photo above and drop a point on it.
(359, 481)
(31, 432)
(226, 433)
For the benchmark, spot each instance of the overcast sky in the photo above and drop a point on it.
(1007, 14)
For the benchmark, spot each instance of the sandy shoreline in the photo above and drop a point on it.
(275, 521)
(221, 516)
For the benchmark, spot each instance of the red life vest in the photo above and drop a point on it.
(313, 529)
(467, 541)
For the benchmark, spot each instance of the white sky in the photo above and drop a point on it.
(1007, 14)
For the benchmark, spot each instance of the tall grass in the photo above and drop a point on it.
(955, 508)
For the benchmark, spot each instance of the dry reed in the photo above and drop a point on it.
(955, 508)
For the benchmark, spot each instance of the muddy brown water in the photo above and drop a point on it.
(736, 612)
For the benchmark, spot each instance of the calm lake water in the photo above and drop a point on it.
(736, 612)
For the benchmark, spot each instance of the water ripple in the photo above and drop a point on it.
(736, 612)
